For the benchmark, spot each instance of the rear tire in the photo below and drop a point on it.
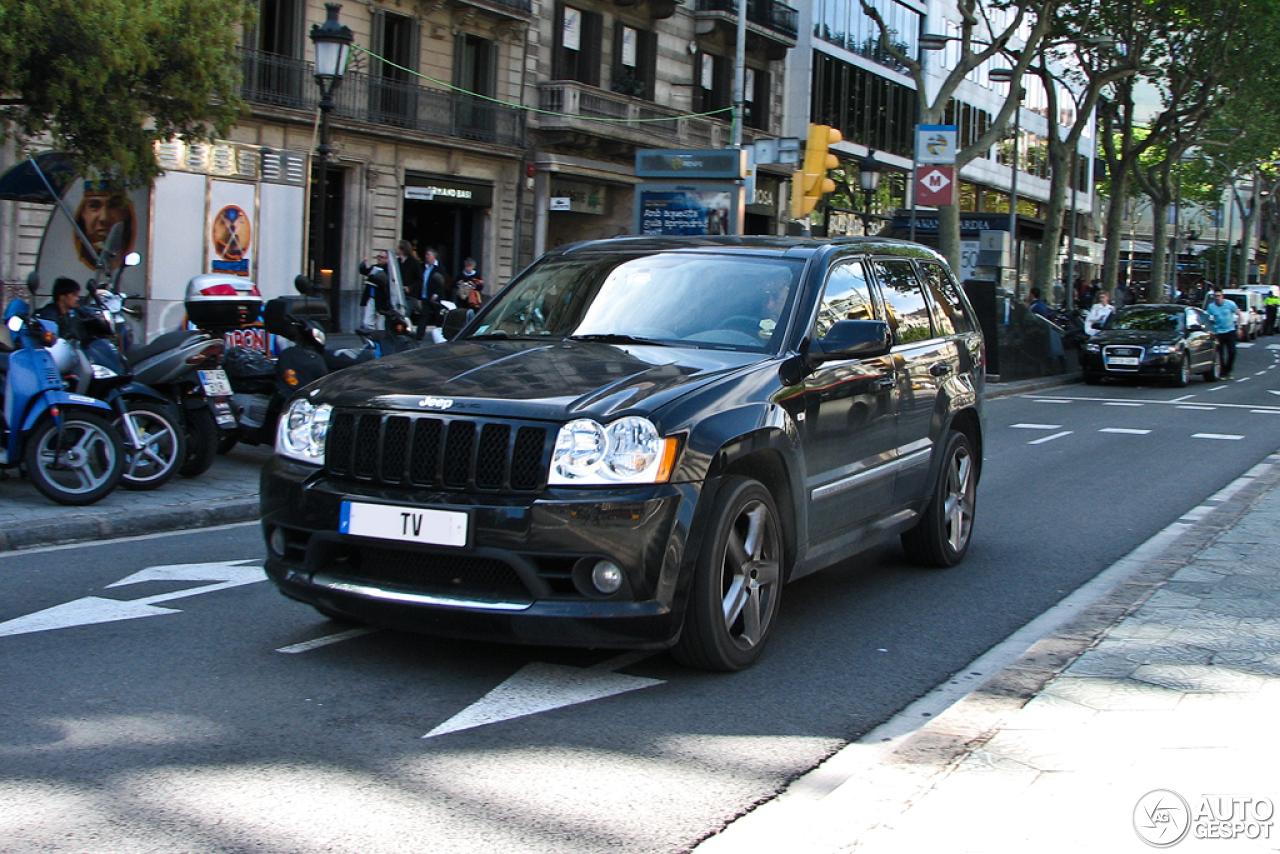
(164, 445)
(737, 583)
(89, 458)
(202, 441)
(941, 537)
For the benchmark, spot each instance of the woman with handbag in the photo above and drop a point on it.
(469, 285)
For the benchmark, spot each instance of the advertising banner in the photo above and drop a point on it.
(701, 209)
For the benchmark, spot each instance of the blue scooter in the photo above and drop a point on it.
(63, 441)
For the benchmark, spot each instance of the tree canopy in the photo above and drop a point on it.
(106, 79)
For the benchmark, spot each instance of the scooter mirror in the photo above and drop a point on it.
(302, 284)
(115, 239)
(33, 281)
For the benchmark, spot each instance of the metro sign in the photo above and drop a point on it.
(936, 185)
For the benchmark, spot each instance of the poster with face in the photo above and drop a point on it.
(93, 210)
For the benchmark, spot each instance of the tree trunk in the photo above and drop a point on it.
(1156, 287)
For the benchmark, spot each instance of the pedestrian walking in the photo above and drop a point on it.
(1225, 315)
(375, 295)
(431, 291)
(1270, 305)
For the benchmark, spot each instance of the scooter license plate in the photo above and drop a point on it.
(215, 382)
(222, 414)
(404, 524)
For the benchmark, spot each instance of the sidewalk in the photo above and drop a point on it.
(1147, 717)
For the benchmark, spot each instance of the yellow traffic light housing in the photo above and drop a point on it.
(810, 184)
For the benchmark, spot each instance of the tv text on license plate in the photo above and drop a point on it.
(1131, 361)
(404, 524)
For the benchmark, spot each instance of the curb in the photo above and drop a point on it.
(86, 527)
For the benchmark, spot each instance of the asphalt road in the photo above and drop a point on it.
(191, 708)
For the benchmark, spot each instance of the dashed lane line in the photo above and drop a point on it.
(1127, 431)
(1041, 441)
(1199, 408)
(1035, 426)
(1232, 437)
(1122, 403)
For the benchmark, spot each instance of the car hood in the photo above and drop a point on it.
(1135, 336)
(537, 380)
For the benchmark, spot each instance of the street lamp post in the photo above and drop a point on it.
(1005, 75)
(868, 181)
(332, 42)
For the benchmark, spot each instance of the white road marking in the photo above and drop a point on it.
(1244, 379)
(306, 646)
(1157, 402)
(539, 687)
(1228, 436)
(1122, 403)
(1050, 438)
(1244, 345)
(91, 610)
(1035, 426)
(1180, 399)
(1266, 411)
(1051, 400)
(1259, 373)
(1128, 431)
(1198, 408)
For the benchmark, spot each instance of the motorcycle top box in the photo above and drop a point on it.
(221, 303)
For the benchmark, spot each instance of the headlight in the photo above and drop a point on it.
(1163, 349)
(301, 431)
(628, 450)
(102, 372)
(1093, 348)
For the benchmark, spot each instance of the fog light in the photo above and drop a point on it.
(276, 542)
(607, 577)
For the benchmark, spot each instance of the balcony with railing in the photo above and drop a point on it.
(277, 81)
(521, 9)
(772, 27)
(571, 107)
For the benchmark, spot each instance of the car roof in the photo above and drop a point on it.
(780, 246)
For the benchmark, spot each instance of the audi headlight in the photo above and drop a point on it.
(301, 431)
(1093, 348)
(1162, 349)
(628, 450)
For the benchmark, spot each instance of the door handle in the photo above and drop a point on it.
(881, 383)
(940, 369)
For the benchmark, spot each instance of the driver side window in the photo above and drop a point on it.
(846, 297)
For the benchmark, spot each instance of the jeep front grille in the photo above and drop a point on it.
(430, 451)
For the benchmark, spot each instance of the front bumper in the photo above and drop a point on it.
(524, 575)
(1150, 365)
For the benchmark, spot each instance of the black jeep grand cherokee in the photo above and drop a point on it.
(636, 443)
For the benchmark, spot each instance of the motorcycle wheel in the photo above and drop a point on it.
(164, 446)
(202, 442)
(79, 464)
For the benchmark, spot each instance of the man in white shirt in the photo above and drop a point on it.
(1098, 314)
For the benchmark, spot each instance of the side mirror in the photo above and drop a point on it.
(454, 321)
(852, 339)
(302, 284)
(33, 281)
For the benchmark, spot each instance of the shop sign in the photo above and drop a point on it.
(578, 197)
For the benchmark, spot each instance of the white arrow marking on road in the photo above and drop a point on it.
(539, 687)
(95, 609)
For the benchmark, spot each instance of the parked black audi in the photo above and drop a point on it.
(636, 444)
(1153, 342)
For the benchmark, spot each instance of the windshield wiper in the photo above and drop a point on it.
(616, 338)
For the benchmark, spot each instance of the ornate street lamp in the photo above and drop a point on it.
(332, 41)
(868, 181)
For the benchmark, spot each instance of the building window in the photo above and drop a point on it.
(756, 94)
(577, 47)
(864, 106)
(635, 61)
(393, 91)
(844, 24)
(712, 85)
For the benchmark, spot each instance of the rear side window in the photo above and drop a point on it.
(847, 297)
(950, 315)
(903, 300)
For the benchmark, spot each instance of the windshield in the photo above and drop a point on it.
(1146, 320)
(680, 299)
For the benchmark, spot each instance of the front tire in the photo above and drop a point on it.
(164, 445)
(1215, 368)
(79, 464)
(941, 537)
(737, 585)
(1184, 372)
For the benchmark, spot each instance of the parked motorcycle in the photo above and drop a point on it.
(261, 386)
(150, 424)
(63, 440)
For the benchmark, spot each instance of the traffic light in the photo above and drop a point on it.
(811, 183)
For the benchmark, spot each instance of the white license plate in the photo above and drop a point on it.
(405, 524)
(215, 382)
(1122, 360)
(222, 414)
